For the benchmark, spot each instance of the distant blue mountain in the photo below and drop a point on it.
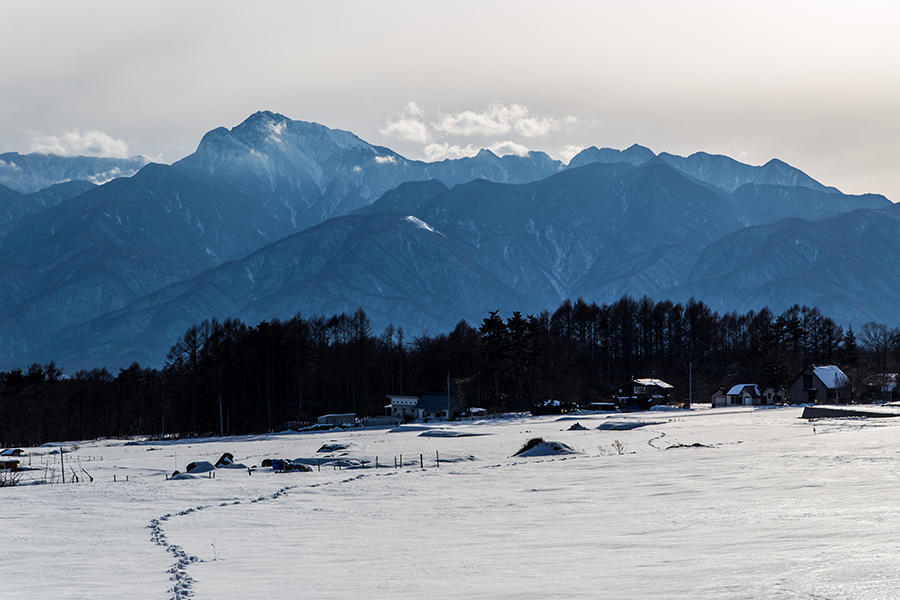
(29, 173)
(255, 224)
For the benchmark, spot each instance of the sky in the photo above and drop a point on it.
(815, 83)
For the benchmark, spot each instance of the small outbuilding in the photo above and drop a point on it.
(825, 384)
(337, 419)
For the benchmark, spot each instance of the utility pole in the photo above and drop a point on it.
(690, 383)
(62, 466)
(221, 426)
(448, 394)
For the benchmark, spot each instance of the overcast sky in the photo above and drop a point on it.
(815, 83)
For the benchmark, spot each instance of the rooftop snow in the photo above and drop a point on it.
(831, 376)
(737, 389)
(651, 381)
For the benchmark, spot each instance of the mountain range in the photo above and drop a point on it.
(277, 216)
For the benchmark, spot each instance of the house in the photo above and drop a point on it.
(337, 419)
(773, 396)
(9, 464)
(425, 407)
(719, 398)
(642, 393)
(825, 384)
(402, 407)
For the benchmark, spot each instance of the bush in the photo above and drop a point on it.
(9, 478)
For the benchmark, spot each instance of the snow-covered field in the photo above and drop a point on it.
(765, 508)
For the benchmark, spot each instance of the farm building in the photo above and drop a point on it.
(825, 384)
(425, 407)
(642, 393)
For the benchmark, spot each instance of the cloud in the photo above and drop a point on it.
(444, 150)
(408, 125)
(78, 143)
(499, 119)
(509, 147)
(567, 153)
(9, 166)
(385, 159)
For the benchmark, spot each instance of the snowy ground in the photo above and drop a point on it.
(765, 509)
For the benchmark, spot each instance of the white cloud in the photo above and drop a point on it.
(498, 119)
(443, 150)
(407, 125)
(567, 153)
(275, 130)
(9, 166)
(509, 147)
(385, 159)
(532, 127)
(75, 143)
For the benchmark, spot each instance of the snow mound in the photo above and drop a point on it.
(578, 427)
(625, 425)
(666, 408)
(539, 447)
(405, 428)
(457, 459)
(333, 447)
(448, 433)
(180, 476)
(201, 466)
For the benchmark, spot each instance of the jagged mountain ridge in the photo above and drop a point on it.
(29, 173)
(269, 177)
(598, 231)
(15, 205)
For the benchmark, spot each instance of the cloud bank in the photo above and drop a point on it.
(77, 143)
(495, 127)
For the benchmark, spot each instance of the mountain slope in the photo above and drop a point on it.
(398, 268)
(847, 265)
(16, 205)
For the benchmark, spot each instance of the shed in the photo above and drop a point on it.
(337, 419)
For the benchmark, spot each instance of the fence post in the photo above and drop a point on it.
(437, 457)
(401, 461)
(421, 462)
(376, 462)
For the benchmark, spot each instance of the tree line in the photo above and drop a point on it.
(233, 378)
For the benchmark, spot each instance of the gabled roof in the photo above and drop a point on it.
(434, 402)
(654, 382)
(739, 388)
(831, 376)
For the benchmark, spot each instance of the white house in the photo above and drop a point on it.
(422, 408)
(402, 407)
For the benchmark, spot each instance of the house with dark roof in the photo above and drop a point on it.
(642, 393)
(825, 384)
